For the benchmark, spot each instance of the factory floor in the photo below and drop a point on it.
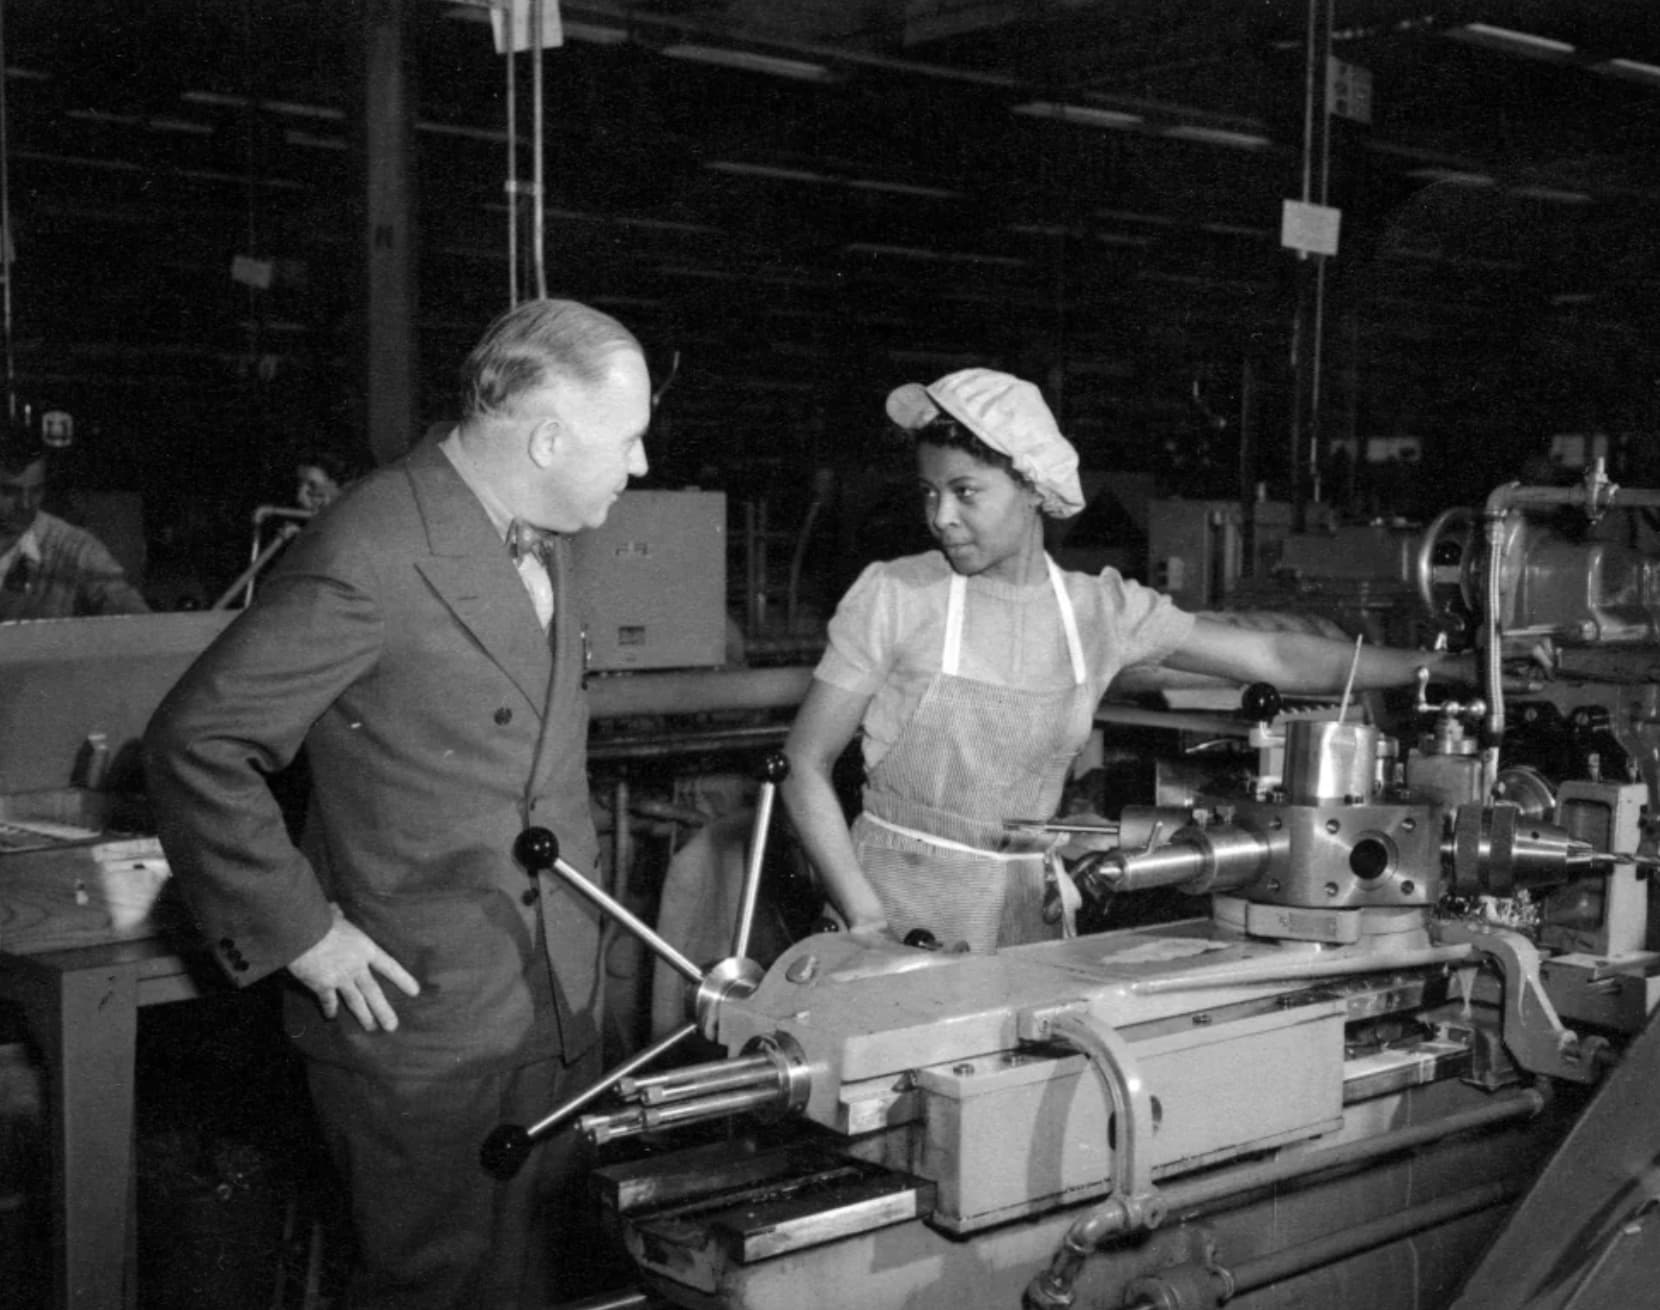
(237, 1204)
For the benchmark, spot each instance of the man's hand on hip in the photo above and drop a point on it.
(341, 968)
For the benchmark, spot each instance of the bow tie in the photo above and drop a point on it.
(527, 539)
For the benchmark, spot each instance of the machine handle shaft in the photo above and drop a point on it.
(775, 769)
(538, 850)
(505, 1149)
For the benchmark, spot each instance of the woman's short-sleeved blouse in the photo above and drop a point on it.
(887, 635)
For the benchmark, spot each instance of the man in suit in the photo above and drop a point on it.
(422, 648)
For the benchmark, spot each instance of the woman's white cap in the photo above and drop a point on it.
(1010, 416)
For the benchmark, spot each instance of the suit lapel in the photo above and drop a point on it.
(471, 573)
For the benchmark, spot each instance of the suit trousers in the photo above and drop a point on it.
(431, 1229)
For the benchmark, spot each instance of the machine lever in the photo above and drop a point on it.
(504, 1151)
(538, 850)
(508, 1145)
(774, 769)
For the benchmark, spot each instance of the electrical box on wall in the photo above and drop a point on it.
(653, 582)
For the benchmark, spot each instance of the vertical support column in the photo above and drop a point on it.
(388, 113)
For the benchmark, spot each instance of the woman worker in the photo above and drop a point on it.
(975, 670)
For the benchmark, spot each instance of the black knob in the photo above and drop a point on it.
(775, 768)
(825, 923)
(922, 939)
(536, 849)
(505, 1150)
(1261, 702)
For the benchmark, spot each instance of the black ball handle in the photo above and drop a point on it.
(505, 1150)
(1261, 701)
(537, 849)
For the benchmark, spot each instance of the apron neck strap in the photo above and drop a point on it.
(956, 605)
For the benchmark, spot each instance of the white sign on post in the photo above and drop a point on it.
(1310, 228)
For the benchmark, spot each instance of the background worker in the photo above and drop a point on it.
(415, 641)
(50, 569)
(973, 673)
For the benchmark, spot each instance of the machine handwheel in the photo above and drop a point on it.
(1447, 588)
(507, 1147)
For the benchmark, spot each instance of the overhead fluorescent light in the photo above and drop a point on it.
(1454, 175)
(455, 129)
(1129, 216)
(773, 171)
(751, 61)
(1046, 230)
(1631, 70)
(934, 256)
(594, 33)
(164, 123)
(1559, 194)
(312, 141)
(786, 173)
(1512, 42)
(901, 188)
(478, 11)
(1085, 115)
(292, 108)
(1218, 136)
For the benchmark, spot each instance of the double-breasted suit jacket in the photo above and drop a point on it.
(397, 642)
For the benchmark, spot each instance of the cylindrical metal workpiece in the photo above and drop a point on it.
(1327, 762)
(602, 1128)
(700, 1080)
(1196, 860)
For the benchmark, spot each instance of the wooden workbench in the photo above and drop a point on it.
(80, 1008)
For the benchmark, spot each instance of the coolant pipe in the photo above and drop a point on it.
(1219, 1285)
(1055, 1287)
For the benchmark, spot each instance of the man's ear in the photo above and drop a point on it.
(545, 442)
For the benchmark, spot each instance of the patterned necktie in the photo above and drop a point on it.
(527, 542)
(527, 539)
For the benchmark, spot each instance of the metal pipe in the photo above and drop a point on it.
(665, 745)
(538, 202)
(247, 576)
(1188, 1196)
(1374, 1232)
(698, 691)
(1184, 1198)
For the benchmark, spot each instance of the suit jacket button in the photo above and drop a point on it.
(226, 944)
(529, 895)
(504, 716)
(240, 965)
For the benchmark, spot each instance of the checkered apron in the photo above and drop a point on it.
(931, 837)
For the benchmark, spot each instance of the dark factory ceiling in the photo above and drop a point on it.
(811, 200)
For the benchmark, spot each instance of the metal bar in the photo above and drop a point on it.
(1376, 1232)
(575, 1103)
(752, 869)
(698, 691)
(623, 915)
(661, 745)
(680, 1083)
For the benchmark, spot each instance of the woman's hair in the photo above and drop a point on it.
(534, 342)
(943, 430)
